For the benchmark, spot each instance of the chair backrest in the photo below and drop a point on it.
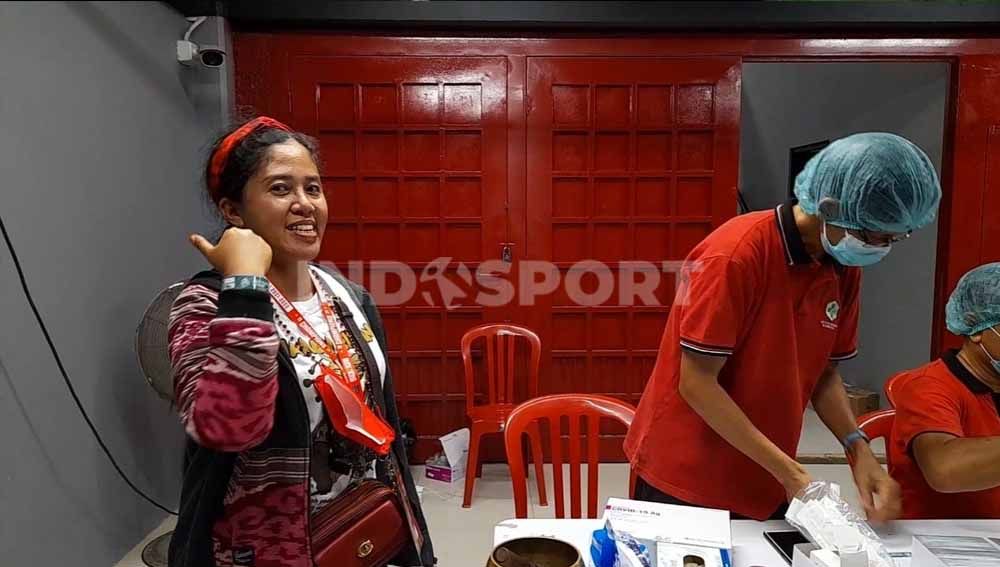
(878, 424)
(890, 385)
(501, 344)
(554, 408)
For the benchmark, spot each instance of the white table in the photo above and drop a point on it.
(750, 549)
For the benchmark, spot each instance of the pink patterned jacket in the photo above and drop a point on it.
(245, 497)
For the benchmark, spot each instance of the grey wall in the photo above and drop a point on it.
(100, 148)
(790, 104)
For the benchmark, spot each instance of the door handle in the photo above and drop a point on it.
(506, 256)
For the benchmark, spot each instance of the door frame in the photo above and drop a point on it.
(261, 60)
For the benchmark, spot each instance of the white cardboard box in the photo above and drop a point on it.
(685, 525)
(955, 551)
(456, 453)
(800, 555)
(674, 532)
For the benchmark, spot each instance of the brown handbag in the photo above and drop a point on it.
(371, 522)
(363, 527)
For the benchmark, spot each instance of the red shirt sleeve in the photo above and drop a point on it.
(926, 404)
(846, 344)
(717, 295)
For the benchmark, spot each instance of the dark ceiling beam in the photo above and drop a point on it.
(652, 15)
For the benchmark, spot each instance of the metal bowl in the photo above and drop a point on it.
(535, 552)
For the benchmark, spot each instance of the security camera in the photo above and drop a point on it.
(213, 57)
(210, 56)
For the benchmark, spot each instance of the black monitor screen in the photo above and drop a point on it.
(797, 159)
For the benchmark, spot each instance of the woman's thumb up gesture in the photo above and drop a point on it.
(240, 252)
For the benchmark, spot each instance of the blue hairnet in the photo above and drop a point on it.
(882, 182)
(974, 306)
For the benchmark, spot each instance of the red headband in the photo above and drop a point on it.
(221, 155)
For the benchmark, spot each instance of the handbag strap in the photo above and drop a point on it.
(389, 467)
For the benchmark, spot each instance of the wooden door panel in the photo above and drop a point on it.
(414, 161)
(631, 162)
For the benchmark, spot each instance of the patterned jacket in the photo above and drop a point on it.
(245, 495)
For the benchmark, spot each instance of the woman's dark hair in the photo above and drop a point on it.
(247, 156)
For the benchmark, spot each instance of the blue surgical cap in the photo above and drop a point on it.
(974, 306)
(874, 181)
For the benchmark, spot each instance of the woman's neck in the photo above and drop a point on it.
(973, 358)
(292, 279)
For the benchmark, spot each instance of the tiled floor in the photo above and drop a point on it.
(818, 445)
(463, 537)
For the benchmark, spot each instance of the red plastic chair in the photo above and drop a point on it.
(876, 425)
(553, 408)
(500, 345)
(890, 385)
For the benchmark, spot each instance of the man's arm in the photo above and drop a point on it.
(958, 464)
(831, 404)
(699, 386)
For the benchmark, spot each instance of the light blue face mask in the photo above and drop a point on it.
(993, 361)
(851, 251)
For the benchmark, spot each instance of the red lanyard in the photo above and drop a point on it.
(340, 353)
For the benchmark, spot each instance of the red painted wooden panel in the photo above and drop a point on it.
(414, 165)
(263, 84)
(628, 159)
(970, 221)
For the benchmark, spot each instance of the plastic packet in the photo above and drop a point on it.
(630, 552)
(828, 521)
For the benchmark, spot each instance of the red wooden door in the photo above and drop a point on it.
(629, 160)
(414, 154)
(970, 225)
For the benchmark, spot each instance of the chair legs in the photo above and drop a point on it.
(472, 465)
(539, 459)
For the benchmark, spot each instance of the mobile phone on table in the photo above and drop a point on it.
(784, 542)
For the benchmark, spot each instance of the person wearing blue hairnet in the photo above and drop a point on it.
(870, 191)
(768, 305)
(945, 444)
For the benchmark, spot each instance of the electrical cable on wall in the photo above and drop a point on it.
(742, 202)
(65, 376)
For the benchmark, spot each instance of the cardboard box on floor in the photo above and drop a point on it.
(862, 401)
(449, 465)
(676, 534)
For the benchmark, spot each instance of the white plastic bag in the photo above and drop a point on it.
(828, 521)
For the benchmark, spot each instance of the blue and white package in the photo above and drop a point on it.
(707, 533)
(630, 551)
(603, 548)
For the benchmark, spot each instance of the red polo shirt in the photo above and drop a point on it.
(944, 397)
(751, 293)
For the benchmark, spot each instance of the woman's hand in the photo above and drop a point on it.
(240, 252)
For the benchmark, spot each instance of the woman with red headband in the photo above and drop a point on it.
(281, 377)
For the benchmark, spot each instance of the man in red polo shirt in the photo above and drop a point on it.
(945, 444)
(768, 304)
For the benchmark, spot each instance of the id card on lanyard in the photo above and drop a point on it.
(342, 392)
